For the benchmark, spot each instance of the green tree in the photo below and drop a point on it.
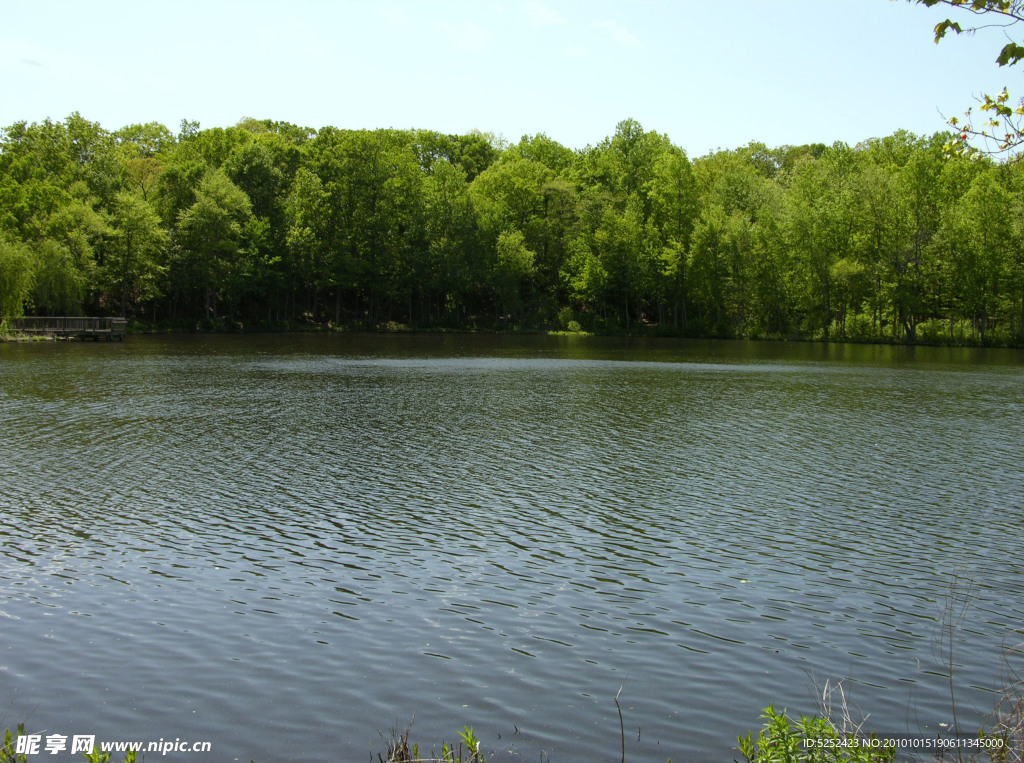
(880, 261)
(823, 223)
(176, 187)
(210, 236)
(310, 240)
(674, 208)
(509, 196)
(1014, 263)
(144, 140)
(374, 188)
(709, 266)
(450, 224)
(514, 196)
(988, 210)
(58, 286)
(81, 226)
(265, 169)
(541, 148)
(513, 265)
(771, 270)
(628, 256)
(585, 276)
(16, 277)
(134, 262)
(474, 152)
(252, 168)
(918, 189)
(142, 174)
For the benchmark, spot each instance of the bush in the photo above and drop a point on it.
(812, 740)
(566, 316)
(399, 750)
(7, 752)
(860, 328)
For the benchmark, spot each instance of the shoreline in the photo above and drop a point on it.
(8, 336)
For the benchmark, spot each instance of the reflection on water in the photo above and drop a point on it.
(285, 544)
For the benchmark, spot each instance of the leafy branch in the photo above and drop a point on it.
(1002, 130)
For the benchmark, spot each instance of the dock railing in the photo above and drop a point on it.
(64, 326)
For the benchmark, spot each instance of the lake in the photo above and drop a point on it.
(287, 545)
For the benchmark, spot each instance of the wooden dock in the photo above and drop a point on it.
(67, 328)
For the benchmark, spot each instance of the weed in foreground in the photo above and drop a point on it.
(7, 752)
(399, 750)
(1008, 720)
(809, 740)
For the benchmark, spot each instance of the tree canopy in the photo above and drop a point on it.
(267, 224)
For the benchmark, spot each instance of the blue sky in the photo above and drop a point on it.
(709, 73)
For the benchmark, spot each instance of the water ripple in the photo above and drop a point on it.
(495, 541)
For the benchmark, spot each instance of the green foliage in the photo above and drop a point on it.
(96, 756)
(811, 740)
(8, 752)
(1003, 131)
(567, 320)
(135, 260)
(17, 274)
(210, 236)
(59, 285)
(472, 744)
(400, 751)
(272, 224)
(513, 265)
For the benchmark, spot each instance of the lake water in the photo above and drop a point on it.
(284, 545)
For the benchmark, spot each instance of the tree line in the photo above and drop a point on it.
(268, 224)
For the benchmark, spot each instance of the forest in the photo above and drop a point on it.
(267, 225)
